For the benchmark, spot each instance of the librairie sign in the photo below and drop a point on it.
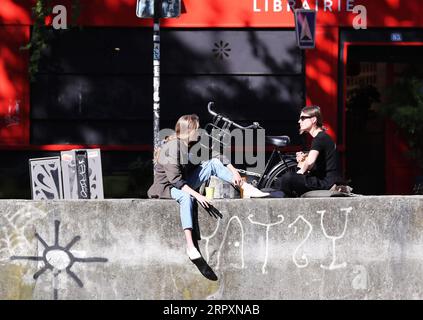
(291, 5)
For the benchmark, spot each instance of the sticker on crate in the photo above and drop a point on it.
(46, 180)
(82, 174)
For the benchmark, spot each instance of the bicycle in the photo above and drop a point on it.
(278, 163)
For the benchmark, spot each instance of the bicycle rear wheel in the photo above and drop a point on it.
(278, 171)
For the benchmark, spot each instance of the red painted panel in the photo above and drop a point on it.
(15, 12)
(233, 13)
(322, 75)
(14, 86)
(259, 13)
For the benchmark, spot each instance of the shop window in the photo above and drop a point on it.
(95, 84)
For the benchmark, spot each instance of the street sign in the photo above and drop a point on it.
(305, 28)
(170, 8)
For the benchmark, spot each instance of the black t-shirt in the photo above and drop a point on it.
(326, 163)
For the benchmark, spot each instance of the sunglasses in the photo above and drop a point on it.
(302, 118)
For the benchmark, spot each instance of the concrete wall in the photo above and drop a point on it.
(333, 248)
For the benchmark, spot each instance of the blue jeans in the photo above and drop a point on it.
(212, 167)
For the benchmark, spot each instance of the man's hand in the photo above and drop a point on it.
(301, 156)
(301, 159)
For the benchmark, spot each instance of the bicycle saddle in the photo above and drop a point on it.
(278, 141)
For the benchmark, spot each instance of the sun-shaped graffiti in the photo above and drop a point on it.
(57, 258)
(221, 50)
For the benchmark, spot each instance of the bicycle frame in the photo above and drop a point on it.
(221, 125)
(268, 166)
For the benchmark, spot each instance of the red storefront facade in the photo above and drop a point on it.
(324, 67)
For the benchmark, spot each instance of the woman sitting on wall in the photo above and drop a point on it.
(318, 169)
(177, 177)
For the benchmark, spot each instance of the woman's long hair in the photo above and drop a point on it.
(183, 128)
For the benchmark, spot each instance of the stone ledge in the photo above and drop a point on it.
(316, 248)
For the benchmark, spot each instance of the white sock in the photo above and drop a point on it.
(193, 253)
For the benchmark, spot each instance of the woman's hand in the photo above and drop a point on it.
(203, 200)
(237, 179)
(199, 197)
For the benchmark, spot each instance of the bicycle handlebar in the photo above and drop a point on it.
(255, 125)
(209, 106)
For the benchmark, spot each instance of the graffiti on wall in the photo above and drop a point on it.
(301, 261)
(316, 245)
(332, 265)
(57, 258)
(294, 255)
(226, 246)
(263, 269)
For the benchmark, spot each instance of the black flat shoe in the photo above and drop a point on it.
(205, 269)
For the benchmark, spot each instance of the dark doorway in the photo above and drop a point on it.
(370, 72)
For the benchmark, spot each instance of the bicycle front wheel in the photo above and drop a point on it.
(278, 171)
